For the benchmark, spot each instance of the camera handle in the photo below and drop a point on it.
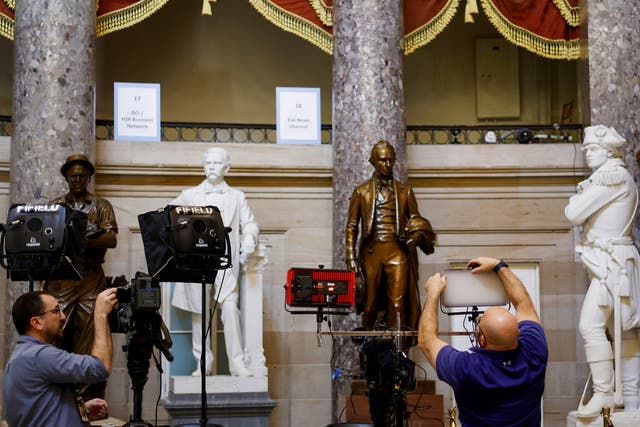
(3, 257)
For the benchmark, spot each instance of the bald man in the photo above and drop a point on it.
(500, 381)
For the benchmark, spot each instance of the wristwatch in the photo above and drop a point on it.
(500, 265)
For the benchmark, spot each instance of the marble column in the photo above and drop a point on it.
(368, 105)
(612, 63)
(368, 98)
(53, 101)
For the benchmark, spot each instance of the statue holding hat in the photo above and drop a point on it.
(605, 208)
(384, 229)
(77, 297)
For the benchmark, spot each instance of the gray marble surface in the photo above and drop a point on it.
(612, 44)
(54, 92)
(368, 105)
(53, 101)
(368, 98)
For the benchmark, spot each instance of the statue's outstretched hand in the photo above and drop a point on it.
(247, 247)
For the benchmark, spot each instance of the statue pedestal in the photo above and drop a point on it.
(251, 297)
(619, 419)
(231, 401)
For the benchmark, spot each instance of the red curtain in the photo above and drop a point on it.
(545, 27)
(548, 28)
(108, 6)
(112, 15)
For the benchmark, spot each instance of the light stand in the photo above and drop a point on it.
(188, 244)
(203, 362)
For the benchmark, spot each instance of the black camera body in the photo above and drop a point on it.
(141, 296)
(143, 293)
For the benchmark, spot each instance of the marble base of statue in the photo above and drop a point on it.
(231, 400)
(619, 419)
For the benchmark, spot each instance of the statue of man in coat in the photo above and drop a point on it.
(605, 207)
(384, 212)
(235, 214)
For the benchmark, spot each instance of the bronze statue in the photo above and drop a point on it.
(77, 298)
(386, 212)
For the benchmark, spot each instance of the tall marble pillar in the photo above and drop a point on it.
(612, 61)
(368, 98)
(53, 100)
(368, 105)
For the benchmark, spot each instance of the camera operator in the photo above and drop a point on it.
(500, 381)
(39, 379)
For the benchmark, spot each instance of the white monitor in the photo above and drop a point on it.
(465, 289)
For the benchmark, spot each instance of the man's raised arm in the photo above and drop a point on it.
(102, 346)
(517, 293)
(428, 339)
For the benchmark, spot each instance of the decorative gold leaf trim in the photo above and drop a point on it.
(324, 11)
(294, 24)
(569, 13)
(427, 32)
(127, 17)
(548, 48)
(11, 4)
(6, 27)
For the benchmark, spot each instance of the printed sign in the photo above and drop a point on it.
(136, 115)
(298, 115)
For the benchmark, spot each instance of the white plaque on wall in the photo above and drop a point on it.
(298, 115)
(136, 115)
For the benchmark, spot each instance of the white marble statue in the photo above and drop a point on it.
(243, 236)
(605, 206)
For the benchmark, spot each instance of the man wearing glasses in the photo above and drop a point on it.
(39, 384)
(500, 381)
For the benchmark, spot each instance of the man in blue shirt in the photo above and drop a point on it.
(39, 379)
(500, 382)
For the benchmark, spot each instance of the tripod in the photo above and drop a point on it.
(146, 333)
(389, 374)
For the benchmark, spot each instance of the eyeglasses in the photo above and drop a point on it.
(55, 310)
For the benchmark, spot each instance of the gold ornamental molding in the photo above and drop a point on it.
(127, 17)
(548, 48)
(571, 14)
(295, 24)
(429, 31)
(324, 11)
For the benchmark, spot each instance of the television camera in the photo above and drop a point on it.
(136, 315)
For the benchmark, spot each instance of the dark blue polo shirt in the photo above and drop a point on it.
(498, 388)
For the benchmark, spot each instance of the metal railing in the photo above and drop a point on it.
(418, 135)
